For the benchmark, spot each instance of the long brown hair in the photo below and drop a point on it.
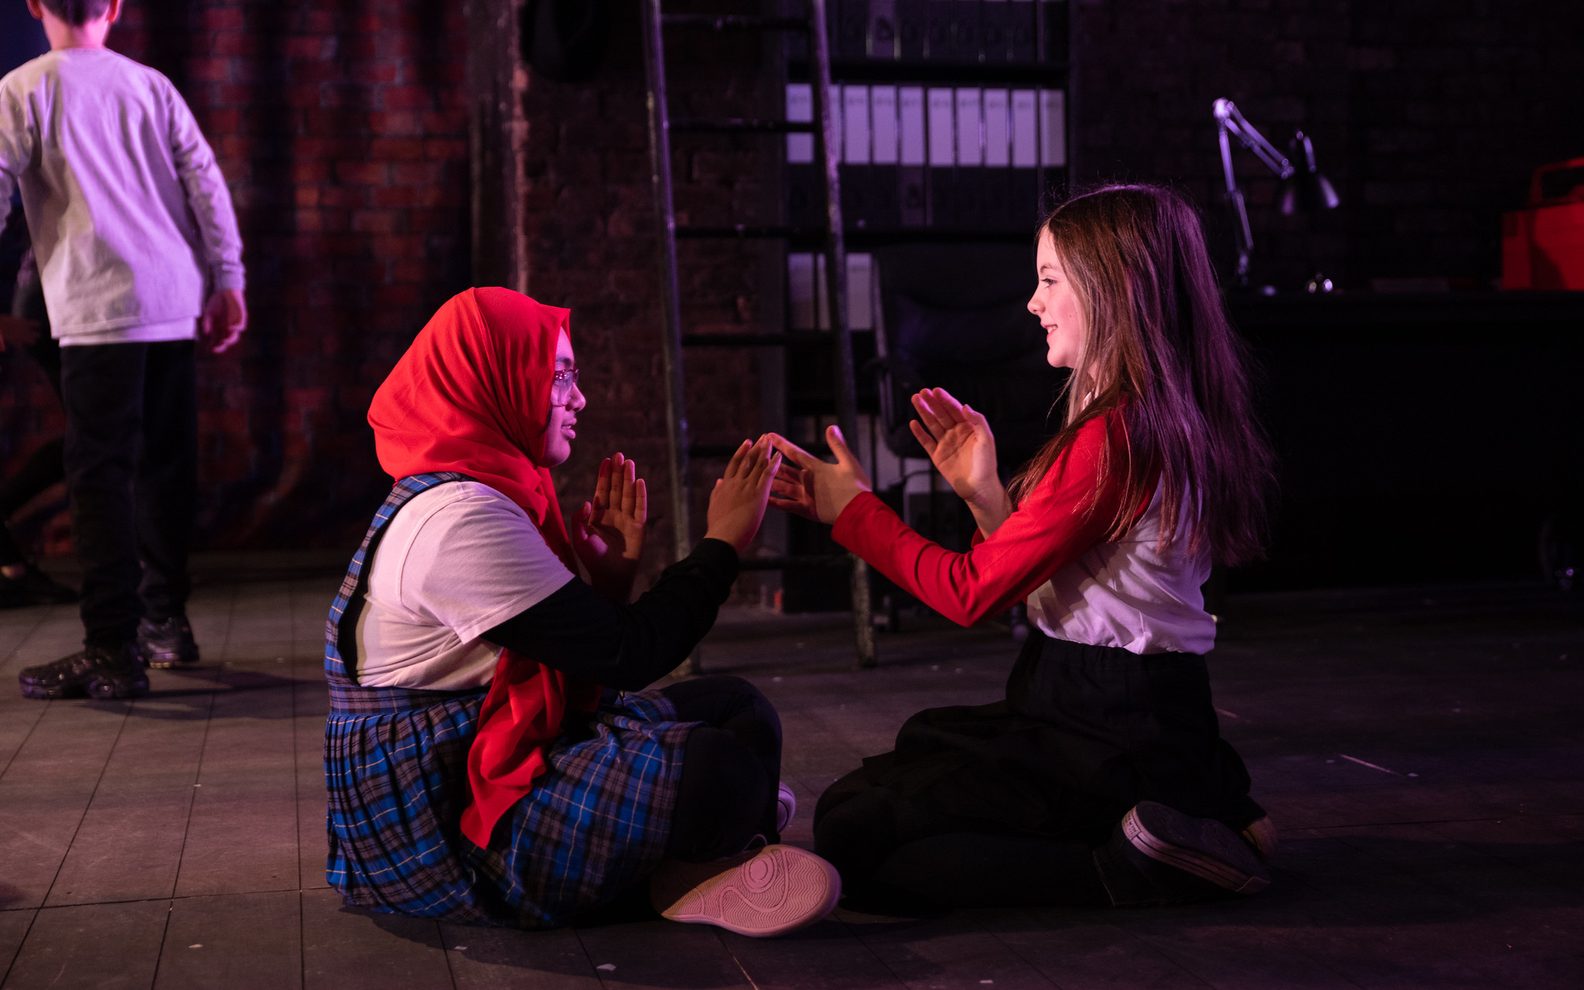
(1158, 348)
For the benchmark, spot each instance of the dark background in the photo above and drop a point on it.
(1443, 421)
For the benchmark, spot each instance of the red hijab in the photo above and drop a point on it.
(472, 394)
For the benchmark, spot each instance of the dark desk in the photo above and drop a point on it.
(1420, 437)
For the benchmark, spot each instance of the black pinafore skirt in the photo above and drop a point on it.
(1084, 734)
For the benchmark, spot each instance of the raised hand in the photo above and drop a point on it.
(959, 443)
(817, 489)
(737, 503)
(608, 531)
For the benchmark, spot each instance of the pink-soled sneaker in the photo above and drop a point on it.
(786, 807)
(771, 891)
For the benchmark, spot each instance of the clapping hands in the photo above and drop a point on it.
(608, 531)
(737, 503)
(817, 489)
(959, 443)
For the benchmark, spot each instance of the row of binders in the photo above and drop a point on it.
(967, 32)
(808, 302)
(942, 157)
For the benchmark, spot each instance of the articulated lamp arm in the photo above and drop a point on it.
(1230, 122)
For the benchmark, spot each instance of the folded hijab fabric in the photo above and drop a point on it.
(472, 395)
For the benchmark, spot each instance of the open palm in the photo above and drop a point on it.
(958, 440)
(608, 532)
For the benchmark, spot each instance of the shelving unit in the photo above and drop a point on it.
(951, 129)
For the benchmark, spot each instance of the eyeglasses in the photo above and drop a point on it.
(562, 380)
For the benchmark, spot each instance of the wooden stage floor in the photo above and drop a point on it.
(1421, 749)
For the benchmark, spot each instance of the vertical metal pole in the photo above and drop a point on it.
(836, 283)
(671, 309)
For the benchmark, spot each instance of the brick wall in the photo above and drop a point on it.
(589, 221)
(342, 132)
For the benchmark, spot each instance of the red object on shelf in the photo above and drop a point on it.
(1543, 245)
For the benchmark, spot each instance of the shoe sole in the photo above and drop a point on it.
(1200, 855)
(1261, 835)
(773, 891)
(167, 660)
(98, 688)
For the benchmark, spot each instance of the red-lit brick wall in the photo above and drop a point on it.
(590, 229)
(341, 129)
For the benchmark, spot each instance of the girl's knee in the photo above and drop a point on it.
(856, 832)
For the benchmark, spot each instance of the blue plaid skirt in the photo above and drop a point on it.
(594, 825)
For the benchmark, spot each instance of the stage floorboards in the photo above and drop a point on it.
(1421, 750)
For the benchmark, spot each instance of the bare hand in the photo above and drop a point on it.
(608, 531)
(224, 318)
(816, 489)
(959, 443)
(737, 504)
(18, 332)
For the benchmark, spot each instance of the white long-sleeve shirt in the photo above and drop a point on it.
(130, 217)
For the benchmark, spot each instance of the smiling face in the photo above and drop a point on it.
(1055, 302)
(565, 403)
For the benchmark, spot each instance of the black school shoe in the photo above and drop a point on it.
(95, 672)
(1158, 855)
(167, 643)
(33, 587)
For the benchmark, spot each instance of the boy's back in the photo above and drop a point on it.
(128, 210)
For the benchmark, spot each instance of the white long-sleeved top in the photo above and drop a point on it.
(130, 217)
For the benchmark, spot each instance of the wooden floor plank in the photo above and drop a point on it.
(236, 941)
(243, 832)
(106, 946)
(343, 950)
(1088, 950)
(948, 952)
(1454, 860)
(505, 959)
(660, 955)
(14, 925)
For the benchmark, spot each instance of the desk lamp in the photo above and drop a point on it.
(1304, 189)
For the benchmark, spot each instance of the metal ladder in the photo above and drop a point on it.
(661, 126)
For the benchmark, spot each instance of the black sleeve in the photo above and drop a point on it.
(625, 646)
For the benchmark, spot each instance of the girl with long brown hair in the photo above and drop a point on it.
(1102, 775)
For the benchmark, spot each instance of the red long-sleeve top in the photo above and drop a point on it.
(1066, 514)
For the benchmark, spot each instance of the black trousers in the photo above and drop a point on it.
(131, 474)
(731, 768)
(1001, 804)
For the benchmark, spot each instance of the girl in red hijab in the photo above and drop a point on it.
(490, 754)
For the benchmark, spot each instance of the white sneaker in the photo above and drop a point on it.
(786, 807)
(772, 891)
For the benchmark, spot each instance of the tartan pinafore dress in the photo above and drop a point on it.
(593, 826)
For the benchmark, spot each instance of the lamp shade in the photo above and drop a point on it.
(1307, 191)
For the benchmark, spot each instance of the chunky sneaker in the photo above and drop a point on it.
(1158, 855)
(786, 807)
(33, 587)
(167, 643)
(1261, 836)
(95, 673)
(769, 891)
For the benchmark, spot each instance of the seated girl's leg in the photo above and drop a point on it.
(730, 768)
(721, 798)
(732, 704)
